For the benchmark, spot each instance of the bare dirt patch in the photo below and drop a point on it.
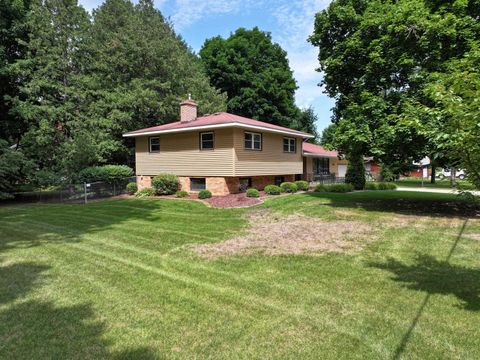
(276, 234)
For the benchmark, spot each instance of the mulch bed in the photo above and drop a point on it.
(233, 200)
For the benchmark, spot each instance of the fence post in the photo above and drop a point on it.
(85, 191)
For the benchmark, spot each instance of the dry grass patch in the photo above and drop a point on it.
(276, 234)
(398, 221)
(474, 236)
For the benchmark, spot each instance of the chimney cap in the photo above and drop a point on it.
(188, 102)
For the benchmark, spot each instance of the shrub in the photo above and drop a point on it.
(355, 172)
(112, 174)
(337, 188)
(132, 188)
(204, 194)
(391, 186)
(253, 193)
(145, 192)
(288, 187)
(273, 190)
(380, 186)
(165, 184)
(302, 185)
(181, 194)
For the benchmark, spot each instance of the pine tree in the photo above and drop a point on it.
(50, 96)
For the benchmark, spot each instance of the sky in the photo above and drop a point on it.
(290, 22)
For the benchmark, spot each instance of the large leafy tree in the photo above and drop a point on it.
(456, 113)
(255, 74)
(378, 57)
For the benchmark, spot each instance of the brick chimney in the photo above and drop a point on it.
(188, 110)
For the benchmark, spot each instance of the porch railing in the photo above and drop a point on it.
(325, 179)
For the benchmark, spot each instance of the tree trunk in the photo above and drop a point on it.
(432, 174)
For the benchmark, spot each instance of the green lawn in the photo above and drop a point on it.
(439, 184)
(118, 279)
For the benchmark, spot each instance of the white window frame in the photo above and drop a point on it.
(290, 139)
(150, 144)
(252, 134)
(201, 140)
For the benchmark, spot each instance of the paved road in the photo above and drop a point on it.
(433, 190)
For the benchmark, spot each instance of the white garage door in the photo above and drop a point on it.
(342, 170)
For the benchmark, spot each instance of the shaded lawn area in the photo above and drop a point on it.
(116, 279)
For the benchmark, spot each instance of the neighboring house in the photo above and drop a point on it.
(372, 169)
(221, 152)
(318, 162)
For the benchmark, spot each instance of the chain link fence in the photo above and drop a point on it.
(75, 193)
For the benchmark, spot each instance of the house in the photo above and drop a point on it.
(223, 152)
(318, 162)
(372, 169)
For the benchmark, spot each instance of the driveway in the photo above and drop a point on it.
(434, 190)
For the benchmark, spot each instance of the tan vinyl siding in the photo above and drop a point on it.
(180, 154)
(271, 160)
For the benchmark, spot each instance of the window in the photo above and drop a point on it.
(245, 183)
(253, 141)
(279, 180)
(154, 144)
(289, 145)
(197, 184)
(207, 140)
(321, 166)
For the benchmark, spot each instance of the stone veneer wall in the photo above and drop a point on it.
(144, 182)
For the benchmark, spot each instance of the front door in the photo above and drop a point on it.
(342, 170)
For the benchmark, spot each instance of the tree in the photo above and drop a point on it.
(456, 94)
(255, 74)
(14, 168)
(50, 98)
(305, 121)
(355, 171)
(13, 34)
(82, 84)
(141, 70)
(378, 58)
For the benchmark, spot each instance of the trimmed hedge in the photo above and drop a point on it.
(204, 194)
(302, 185)
(336, 188)
(273, 190)
(380, 186)
(181, 194)
(145, 192)
(253, 193)
(112, 174)
(165, 184)
(288, 187)
(132, 188)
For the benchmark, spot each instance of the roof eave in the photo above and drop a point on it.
(217, 126)
(318, 155)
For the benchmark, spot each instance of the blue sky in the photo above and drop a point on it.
(289, 21)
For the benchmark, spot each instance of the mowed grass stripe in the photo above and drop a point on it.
(199, 280)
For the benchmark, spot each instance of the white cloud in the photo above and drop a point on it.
(188, 12)
(296, 23)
